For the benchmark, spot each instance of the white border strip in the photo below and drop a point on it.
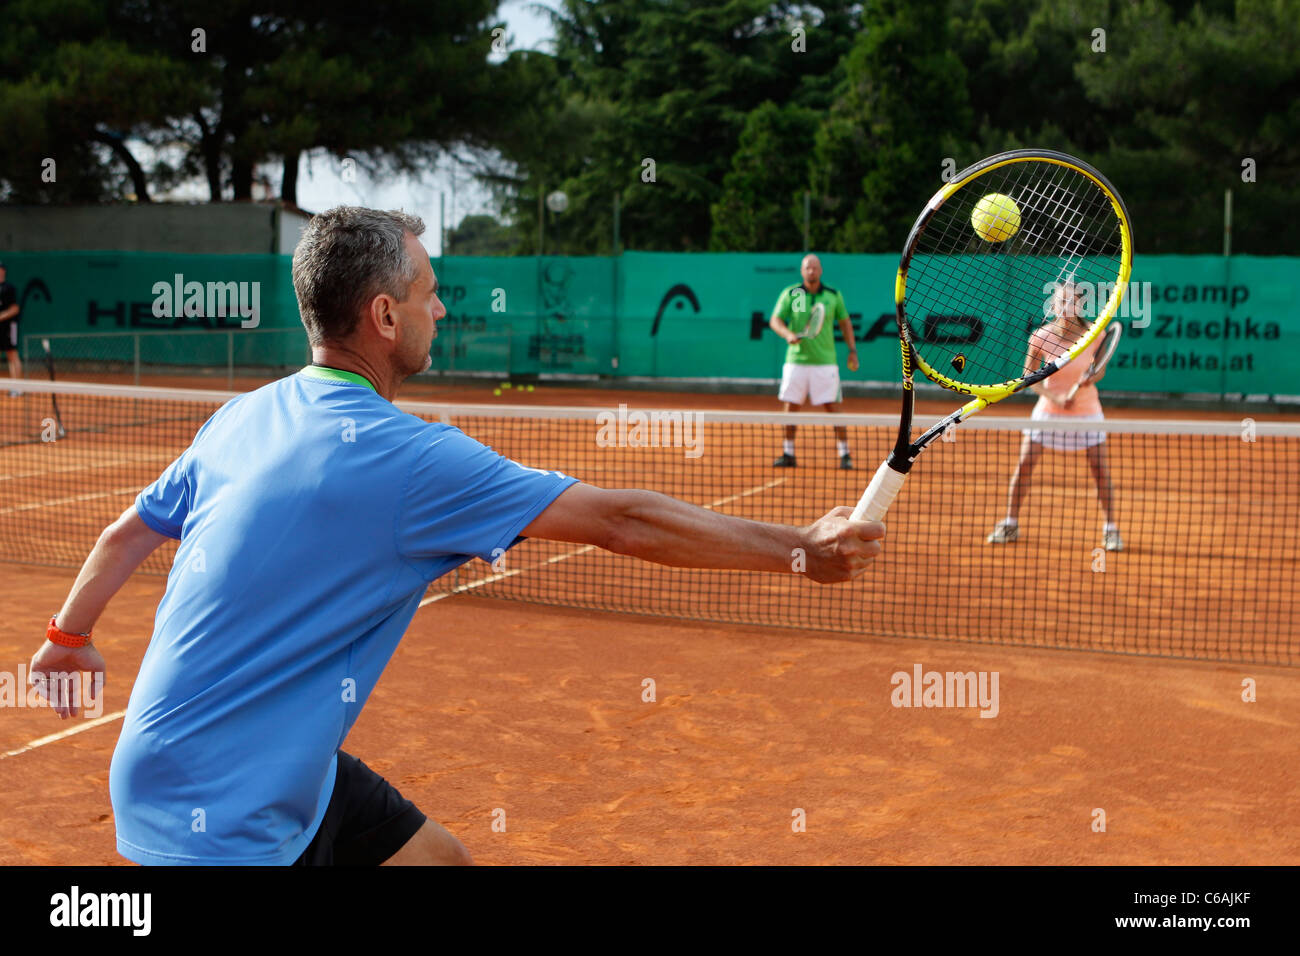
(444, 411)
(148, 392)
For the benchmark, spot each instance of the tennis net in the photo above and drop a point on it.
(1209, 514)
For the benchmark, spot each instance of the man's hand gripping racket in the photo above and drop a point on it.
(816, 319)
(985, 255)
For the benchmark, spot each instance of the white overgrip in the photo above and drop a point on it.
(880, 494)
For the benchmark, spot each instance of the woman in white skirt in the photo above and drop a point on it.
(1047, 343)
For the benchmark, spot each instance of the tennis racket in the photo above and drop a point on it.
(61, 432)
(816, 319)
(989, 249)
(1109, 343)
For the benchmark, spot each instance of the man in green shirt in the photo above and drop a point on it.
(811, 373)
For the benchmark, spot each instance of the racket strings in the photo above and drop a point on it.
(973, 303)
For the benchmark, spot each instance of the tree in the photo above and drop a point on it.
(481, 236)
(661, 90)
(75, 102)
(1215, 87)
(761, 206)
(1020, 58)
(384, 83)
(548, 146)
(232, 84)
(901, 111)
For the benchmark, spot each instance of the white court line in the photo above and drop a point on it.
(556, 559)
(78, 729)
(89, 496)
(745, 494)
(88, 464)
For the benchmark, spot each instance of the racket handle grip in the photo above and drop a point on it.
(880, 494)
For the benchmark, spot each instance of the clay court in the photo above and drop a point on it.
(507, 709)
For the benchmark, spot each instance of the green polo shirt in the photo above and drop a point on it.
(794, 308)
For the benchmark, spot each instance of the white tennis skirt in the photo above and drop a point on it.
(1065, 441)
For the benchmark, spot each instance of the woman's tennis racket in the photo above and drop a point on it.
(1109, 343)
(989, 249)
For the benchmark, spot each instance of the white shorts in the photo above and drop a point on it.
(810, 384)
(1065, 441)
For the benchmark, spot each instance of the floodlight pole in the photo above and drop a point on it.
(1227, 222)
(617, 214)
(807, 217)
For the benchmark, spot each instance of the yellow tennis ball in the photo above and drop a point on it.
(996, 218)
(496, 391)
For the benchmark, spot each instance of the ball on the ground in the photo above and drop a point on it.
(530, 388)
(996, 218)
(496, 391)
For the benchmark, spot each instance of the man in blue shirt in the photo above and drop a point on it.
(312, 515)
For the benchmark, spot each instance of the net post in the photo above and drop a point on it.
(135, 358)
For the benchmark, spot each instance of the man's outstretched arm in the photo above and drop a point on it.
(655, 527)
(121, 548)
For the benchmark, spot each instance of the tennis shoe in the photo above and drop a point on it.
(1112, 541)
(1004, 533)
(785, 461)
(846, 462)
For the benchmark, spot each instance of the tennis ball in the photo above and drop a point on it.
(530, 388)
(496, 391)
(996, 218)
(505, 384)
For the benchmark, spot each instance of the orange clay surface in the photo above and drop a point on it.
(540, 712)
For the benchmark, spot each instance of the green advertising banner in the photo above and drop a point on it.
(1194, 324)
(88, 301)
(1224, 326)
(527, 316)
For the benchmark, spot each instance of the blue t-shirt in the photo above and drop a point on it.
(312, 515)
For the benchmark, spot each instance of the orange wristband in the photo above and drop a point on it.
(63, 638)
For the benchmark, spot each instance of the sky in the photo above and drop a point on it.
(320, 175)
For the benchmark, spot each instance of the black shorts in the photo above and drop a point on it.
(367, 820)
(9, 335)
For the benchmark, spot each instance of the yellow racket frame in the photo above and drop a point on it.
(985, 395)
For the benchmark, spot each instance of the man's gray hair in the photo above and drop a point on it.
(346, 256)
